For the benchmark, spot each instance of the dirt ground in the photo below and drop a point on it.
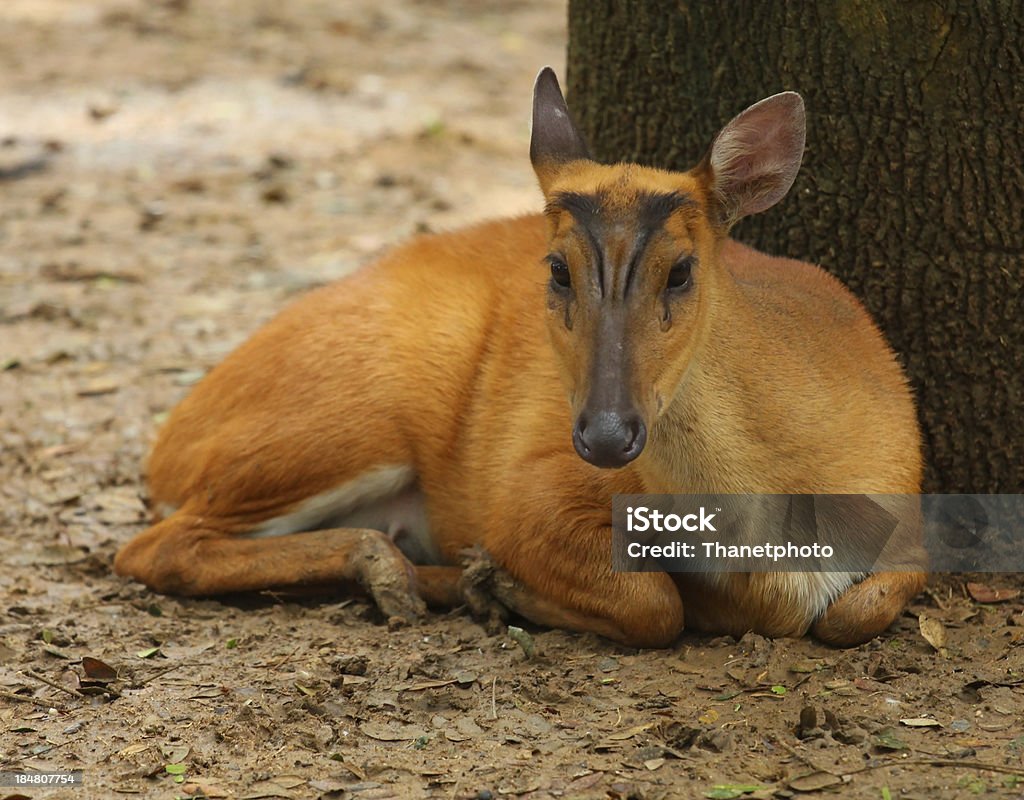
(171, 173)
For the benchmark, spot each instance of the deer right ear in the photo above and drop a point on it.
(554, 140)
(756, 157)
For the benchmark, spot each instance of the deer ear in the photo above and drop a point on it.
(756, 157)
(554, 140)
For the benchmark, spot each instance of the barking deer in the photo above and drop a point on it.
(496, 386)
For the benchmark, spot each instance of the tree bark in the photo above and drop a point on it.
(912, 189)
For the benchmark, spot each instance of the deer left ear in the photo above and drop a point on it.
(754, 160)
(554, 140)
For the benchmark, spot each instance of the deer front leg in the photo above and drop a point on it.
(554, 565)
(867, 608)
(642, 611)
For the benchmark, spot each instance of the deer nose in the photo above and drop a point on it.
(609, 439)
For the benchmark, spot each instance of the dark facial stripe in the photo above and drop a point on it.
(653, 208)
(586, 209)
(650, 210)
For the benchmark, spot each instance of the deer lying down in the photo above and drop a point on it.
(496, 386)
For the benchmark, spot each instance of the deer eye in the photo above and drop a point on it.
(559, 272)
(679, 277)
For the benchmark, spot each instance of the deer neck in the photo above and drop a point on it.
(700, 442)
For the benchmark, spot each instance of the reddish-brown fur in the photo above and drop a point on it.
(450, 356)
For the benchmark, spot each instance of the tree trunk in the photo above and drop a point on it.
(912, 189)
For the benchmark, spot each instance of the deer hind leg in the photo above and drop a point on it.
(192, 555)
(867, 608)
(365, 531)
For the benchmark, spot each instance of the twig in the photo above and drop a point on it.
(942, 604)
(36, 676)
(160, 673)
(801, 757)
(942, 762)
(494, 703)
(277, 597)
(354, 770)
(25, 699)
(912, 762)
(286, 659)
(58, 745)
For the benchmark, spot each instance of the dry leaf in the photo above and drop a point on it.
(98, 670)
(986, 594)
(49, 555)
(175, 652)
(921, 722)
(686, 669)
(465, 678)
(888, 740)
(208, 693)
(814, 782)
(98, 386)
(328, 788)
(204, 788)
(289, 781)
(630, 733)
(189, 377)
(73, 271)
(267, 789)
(421, 685)
(118, 506)
(583, 783)
(934, 632)
(392, 731)
(175, 754)
(466, 726)
(70, 679)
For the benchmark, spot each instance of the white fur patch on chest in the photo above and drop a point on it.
(810, 592)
